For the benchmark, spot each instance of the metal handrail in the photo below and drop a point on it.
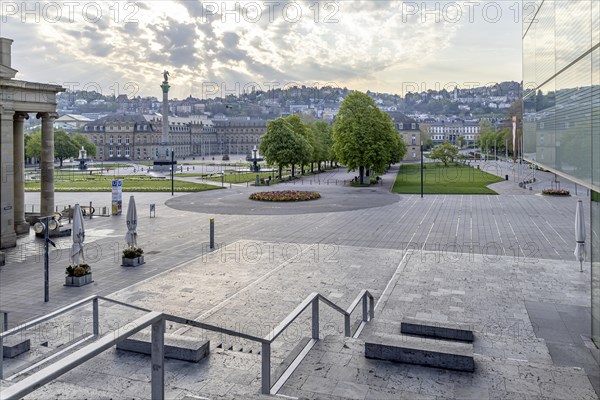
(313, 299)
(157, 321)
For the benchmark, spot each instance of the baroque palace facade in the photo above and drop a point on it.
(137, 136)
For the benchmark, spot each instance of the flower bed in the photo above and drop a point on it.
(285, 195)
(553, 192)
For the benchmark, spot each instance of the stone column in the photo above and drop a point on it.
(19, 175)
(8, 237)
(47, 164)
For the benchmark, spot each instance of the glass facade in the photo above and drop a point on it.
(561, 105)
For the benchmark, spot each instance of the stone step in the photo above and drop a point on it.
(176, 347)
(420, 351)
(14, 346)
(436, 329)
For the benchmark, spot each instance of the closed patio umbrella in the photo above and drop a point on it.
(579, 234)
(78, 236)
(131, 235)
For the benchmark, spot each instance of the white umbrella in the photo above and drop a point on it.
(580, 234)
(78, 236)
(131, 235)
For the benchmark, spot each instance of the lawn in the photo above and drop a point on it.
(137, 183)
(242, 177)
(440, 179)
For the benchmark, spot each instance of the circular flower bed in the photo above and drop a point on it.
(552, 192)
(285, 195)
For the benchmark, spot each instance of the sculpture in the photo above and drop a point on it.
(166, 75)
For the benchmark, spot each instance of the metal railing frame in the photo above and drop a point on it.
(157, 322)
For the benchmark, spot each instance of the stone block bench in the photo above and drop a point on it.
(421, 351)
(176, 347)
(438, 330)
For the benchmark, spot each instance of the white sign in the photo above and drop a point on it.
(117, 196)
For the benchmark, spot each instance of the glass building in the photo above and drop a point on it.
(561, 105)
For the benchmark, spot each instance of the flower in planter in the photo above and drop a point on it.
(554, 192)
(285, 195)
(78, 270)
(133, 252)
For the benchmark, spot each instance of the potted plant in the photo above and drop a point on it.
(132, 257)
(78, 275)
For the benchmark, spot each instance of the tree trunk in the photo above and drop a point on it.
(61, 161)
(293, 170)
(302, 169)
(280, 172)
(361, 174)
(312, 167)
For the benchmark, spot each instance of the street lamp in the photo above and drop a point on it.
(222, 178)
(172, 171)
(45, 225)
(421, 171)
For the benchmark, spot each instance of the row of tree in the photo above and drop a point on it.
(362, 138)
(65, 146)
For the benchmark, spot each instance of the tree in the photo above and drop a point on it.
(362, 135)
(398, 149)
(444, 152)
(425, 137)
(33, 146)
(281, 146)
(80, 140)
(322, 133)
(64, 147)
(300, 128)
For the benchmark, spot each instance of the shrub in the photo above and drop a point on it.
(555, 192)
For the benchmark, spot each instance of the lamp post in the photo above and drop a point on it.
(222, 178)
(44, 225)
(172, 171)
(421, 171)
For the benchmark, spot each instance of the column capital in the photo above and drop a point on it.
(21, 116)
(46, 115)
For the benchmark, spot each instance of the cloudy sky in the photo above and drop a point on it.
(222, 47)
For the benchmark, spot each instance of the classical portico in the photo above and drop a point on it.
(19, 99)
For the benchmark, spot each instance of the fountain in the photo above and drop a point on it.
(255, 160)
(82, 159)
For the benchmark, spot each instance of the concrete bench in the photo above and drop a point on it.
(421, 351)
(176, 347)
(14, 346)
(439, 330)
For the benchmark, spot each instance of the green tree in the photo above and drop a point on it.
(64, 147)
(322, 133)
(281, 146)
(33, 146)
(301, 128)
(445, 152)
(362, 135)
(81, 140)
(398, 149)
(425, 137)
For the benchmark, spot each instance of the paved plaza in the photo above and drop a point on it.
(503, 264)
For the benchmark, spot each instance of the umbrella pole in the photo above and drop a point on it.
(580, 266)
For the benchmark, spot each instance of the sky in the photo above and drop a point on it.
(215, 48)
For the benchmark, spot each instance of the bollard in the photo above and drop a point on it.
(70, 214)
(90, 210)
(212, 233)
(505, 177)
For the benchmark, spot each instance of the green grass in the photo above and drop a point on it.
(137, 183)
(242, 177)
(438, 179)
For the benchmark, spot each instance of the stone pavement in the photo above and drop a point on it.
(521, 234)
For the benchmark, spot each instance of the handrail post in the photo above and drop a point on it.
(158, 359)
(95, 317)
(315, 318)
(365, 309)
(266, 368)
(1, 357)
(347, 325)
(372, 306)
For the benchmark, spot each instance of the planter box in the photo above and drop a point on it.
(78, 280)
(132, 262)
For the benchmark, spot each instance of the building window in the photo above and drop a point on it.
(95, 140)
(127, 139)
(110, 151)
(118, 152)
(414, 155)
(119, 140)
(111, 140)
(101, 151)
(414, 139)
(126, 151)
(400, 125)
